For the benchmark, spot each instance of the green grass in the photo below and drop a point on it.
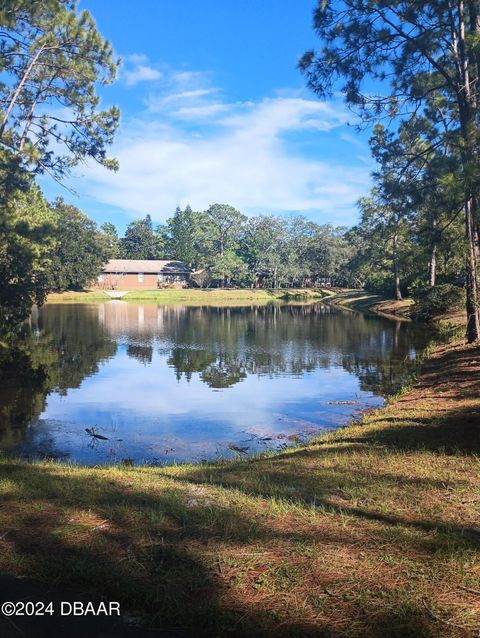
(365, 301)
(196, 296)
(77, 296)
(369, 531)
(214, 295)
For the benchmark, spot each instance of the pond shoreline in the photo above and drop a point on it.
(370, 530)
(178, 383)
(195, 295)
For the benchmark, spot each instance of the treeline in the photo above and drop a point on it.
(226, 248)
(413, 67)
(395, 253)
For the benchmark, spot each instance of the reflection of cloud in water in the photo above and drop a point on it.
(185, 382)
(125, 390)
(151, 411)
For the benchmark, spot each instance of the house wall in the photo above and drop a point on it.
(130, 282)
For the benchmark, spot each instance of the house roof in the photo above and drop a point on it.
(145, 266)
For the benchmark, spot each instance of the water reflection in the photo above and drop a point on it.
(162, 382)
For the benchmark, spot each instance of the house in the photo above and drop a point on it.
(143, 274)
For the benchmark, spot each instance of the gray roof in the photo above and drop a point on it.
(145, 266)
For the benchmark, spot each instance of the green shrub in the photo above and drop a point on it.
(431, 301)
(380, 283)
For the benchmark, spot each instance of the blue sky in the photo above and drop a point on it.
(214, 109)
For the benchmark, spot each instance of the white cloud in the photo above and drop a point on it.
(190, 146)
(141, 73)
(185, 94)
(198, 98)
(138, 70)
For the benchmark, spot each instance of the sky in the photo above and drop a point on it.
(215, 110)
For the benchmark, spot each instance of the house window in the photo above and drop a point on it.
(140, 277)
(100, 279)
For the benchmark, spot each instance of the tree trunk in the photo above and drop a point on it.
(433, 265)
(396, 274)
(473, 309)
(467, 107)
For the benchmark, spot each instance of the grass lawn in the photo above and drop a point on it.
(369, 532)
(196, 296)
(214, 295)
(78, 296)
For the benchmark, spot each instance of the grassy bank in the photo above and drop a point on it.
(371, 531)
(214, 295)
(370, 302)
(195, 295)
(77, 296)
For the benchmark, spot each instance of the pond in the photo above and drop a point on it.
(147, 383)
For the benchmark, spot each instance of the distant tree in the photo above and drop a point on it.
(263, 248)
(162, 243)
(416, 169)
(225, 225)
(201, 277)
(139, 241)
(111, 240)
(80, 250)
(328, 253)
(387, 235)
(228, 267)
(180, 233)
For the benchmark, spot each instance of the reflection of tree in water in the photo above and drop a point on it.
(22, 395)
(61, 349)
(225, 345)
(221, 345)
(216, 370)
(189, 360)
(141, 353)
(224, 373)
(71, 343)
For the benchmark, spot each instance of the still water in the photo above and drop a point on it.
(148, 383)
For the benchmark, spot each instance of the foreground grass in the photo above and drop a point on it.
(370, 531)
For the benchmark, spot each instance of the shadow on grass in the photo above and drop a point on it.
(455, 379)
(156, 550)
(151, 552)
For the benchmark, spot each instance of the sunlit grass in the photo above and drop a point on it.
(196, 296)
(77, 296)
(211, 295)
